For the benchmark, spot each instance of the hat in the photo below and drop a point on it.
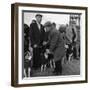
(48, 23)
(38, 15)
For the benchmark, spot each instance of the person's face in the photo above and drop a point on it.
(53, 26)
(48, 28)
(39, 19)
(72, 25)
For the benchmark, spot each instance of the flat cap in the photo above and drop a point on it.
(38, 15)
(48, 23)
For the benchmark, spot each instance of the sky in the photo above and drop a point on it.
(57, 18)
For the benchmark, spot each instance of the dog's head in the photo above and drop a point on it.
(50, 56)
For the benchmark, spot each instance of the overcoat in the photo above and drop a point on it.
(36, 35)
(56, 44)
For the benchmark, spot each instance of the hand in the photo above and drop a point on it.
(47, 51)
(66, 46)
(44, 43)
(46, 55)
(70, 41)
(35, 46)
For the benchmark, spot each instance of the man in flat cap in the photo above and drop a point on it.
(38, 15)
(36, 37)
(56, 45)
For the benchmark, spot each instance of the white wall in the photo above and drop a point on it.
(5, 44)
(64, 18)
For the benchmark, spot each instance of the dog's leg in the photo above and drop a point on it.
(29, 70)
(25, 72)
(51, 64)
(42, 68)
(70, 57)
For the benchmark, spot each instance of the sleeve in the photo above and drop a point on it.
(75, 33)
(69, 34)
(53, 41)
(31, 35)
(43, 34)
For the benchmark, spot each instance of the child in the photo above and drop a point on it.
(27, 63)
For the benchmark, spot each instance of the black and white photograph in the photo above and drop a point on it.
(50, 44)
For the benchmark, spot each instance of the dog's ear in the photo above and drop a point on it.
(45, 55)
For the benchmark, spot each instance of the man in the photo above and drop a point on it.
(36, 37)
(56, 46)
(74, 39)
(71, 34)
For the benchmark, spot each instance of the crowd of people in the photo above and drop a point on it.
(44, 44)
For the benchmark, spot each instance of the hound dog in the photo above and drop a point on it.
(69, 52)
(47, 58)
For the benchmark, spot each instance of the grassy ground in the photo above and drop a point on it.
(69, 68)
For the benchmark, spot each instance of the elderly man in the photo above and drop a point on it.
(71, 34)
(36, 37)
(56, 45)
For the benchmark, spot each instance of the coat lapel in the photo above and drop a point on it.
(37, 30)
